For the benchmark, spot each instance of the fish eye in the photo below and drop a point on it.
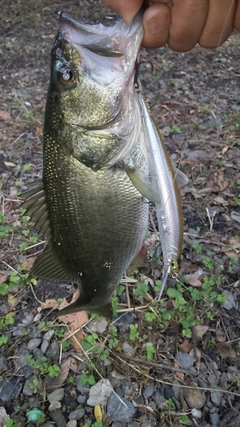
(66, 76)
(174, 265)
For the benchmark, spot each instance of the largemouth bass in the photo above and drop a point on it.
(87, 207)
(102, 158)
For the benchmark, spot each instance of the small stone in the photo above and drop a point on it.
(216, 397)
(98, 325)
(230, 303)
(37, 353)
(58, 418)
(195, 398)
(27, 371)
(34, 343)
(152, 405)
(19, 331)
(28, 319)
(124, 321)
(196, 414)
(53, 352)
(99, 393)
(158, 398)
(118, 424)
(3, 364)
(56, 395)
(48, 335)
(118, 411)
(233, 374)
(133, 424)
(81, 398)
(139, 400)
(22, 358)
(168, 392)
(83, 389)
(127, 348)
(202, 383)
(213, 380)
(185, 360)
(10, 390)
(54, 405)
(27, 389)
(176, 389)
(149, 390)
(77, 414)
(72, 423)
(4, 417)
(44, 346)
(214, 419)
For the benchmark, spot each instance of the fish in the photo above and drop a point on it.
(103, 161)
(86, 205)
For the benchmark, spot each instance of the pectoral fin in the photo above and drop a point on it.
(142, 185)
(34, 202)
(180, 177)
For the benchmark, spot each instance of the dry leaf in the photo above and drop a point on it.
(98, 413)
(9, 164)
(185, 346)
(178, 375)
(74, 322)
(5, 115)
(49, 303)
(39, 129)
(226, 351)
(193, 281)
(201, 330)
(28, 263)
(64, 371)
(225, 149)
(187, 266)
(220, 336)
(3, 278)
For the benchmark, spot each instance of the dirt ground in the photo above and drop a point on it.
(195, 98)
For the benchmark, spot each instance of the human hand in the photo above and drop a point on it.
(182, 23)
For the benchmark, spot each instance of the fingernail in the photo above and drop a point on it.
(154, 27)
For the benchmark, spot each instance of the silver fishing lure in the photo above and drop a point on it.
(166, 193)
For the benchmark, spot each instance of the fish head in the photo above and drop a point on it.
(92, 70)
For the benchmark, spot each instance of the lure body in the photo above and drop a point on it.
(168, 203)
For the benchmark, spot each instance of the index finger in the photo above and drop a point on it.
(125, 8)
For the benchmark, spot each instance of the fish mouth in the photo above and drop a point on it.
(102, 40)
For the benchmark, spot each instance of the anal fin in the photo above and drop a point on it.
(48, 266)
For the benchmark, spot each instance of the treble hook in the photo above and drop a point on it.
(137, 70)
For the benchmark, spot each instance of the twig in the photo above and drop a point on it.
(35, 296)
(180, 386)
(150, 363)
